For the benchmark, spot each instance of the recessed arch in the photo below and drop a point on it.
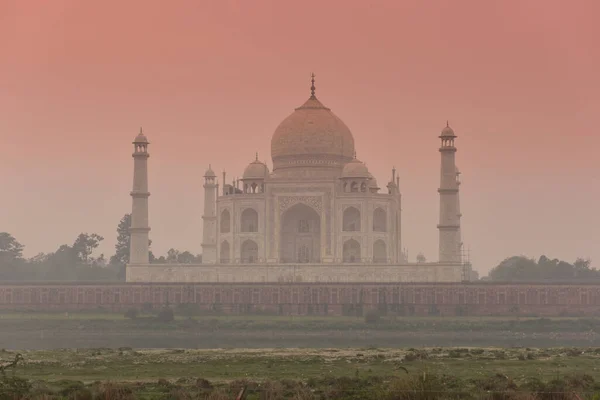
(224, 255)
(249, 220)
(351, 251)
(225, 222)
(249, 252)
(379, 220)
(300, 237)
(379, 252)
(351, 220)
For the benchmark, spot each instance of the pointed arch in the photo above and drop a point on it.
(351, 220)
(224, 254)
(379, 252)
(249, 252)
(225, 222)
(300, 235)
(379, 220)
(249, 220)
(351, 251)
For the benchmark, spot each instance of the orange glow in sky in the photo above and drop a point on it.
(210, 80)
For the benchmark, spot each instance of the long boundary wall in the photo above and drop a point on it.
(420, 299)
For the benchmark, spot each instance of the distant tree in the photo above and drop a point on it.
(123, 245)
(521, 268)
(11, 250)
(160, 260)
(84, 246)
(121, 256)
(188, 258)
(172, 256)
(421, 258)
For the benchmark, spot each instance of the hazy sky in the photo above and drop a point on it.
(210, 80)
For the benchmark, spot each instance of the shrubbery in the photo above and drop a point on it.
(166, 315)
(372, 317)
(131, 313)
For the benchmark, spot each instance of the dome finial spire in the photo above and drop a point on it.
(312, 87)
(447, 124)
(256, 156)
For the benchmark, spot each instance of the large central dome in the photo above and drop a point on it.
(312, 136)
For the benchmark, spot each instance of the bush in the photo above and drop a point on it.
(147, 308)
(166, 315)
(372, 317)
(132, 313)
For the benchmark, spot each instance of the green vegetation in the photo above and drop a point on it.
(180, 327)
(368, 373)
(76, 262)
(523, 269)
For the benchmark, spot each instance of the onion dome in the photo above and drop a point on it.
(312, 136)
(256, 170)
(209, 173)
(447, 131)
(356, 169)
(141, 138)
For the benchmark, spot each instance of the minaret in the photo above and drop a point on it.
(139, 229)
(449, 226)
(209, 233)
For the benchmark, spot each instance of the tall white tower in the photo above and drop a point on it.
(139, 229)
(209, 232)
(449, 226)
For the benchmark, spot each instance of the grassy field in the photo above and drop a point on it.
(113, 330)
(363, 373)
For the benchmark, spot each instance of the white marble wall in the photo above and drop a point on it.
(272, 273)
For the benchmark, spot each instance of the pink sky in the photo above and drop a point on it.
(210, 80)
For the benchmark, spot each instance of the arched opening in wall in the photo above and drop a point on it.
(300, 238)
(225, 221)
(224, 255)
(351, 251)
(351, 220)
(379, 220)
(379, 252)
(249, 220)
(363, 187)
(249, 254)
(354, 187)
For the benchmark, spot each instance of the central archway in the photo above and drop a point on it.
(300, 238)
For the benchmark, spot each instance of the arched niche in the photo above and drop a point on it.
(300, 237)
(249, 252)
(351, 220)
(225, 222)
(379, 220)
(249, 220)
(379, 252)
(351, 251)
(224, 254)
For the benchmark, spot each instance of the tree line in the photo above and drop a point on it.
(524, 269)
(76, 261)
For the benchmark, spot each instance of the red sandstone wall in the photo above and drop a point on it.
(322, 299)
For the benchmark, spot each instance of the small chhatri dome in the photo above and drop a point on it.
(256, 170)
(447, 131)
(141, 138)
(312, 136)
(356, 169)
(210, 173)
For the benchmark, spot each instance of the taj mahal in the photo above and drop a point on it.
(318, 216)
